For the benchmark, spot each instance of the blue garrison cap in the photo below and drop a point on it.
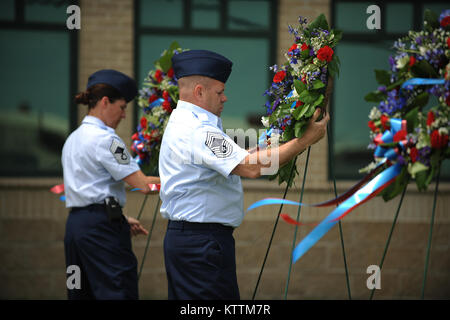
(203, 63)
(123, 83)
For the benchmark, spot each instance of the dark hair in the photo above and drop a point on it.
(91, 96)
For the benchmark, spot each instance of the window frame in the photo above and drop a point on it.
(271, 34)
(19, 24)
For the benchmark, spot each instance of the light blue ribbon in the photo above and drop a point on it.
(269, 201)
(290, 95)
(155, 103)
(421, 81)
(320, 230)
(388, 137)
(264, 135)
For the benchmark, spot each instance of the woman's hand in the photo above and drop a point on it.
(135, 227)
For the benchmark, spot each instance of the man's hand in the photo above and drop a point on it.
(316, 130)
(136, 228)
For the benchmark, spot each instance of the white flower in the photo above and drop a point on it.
(402, 62)
(368, 168)
(443, 131)
(265, 121)
(374, 114)
(274, 138)
(422, 50)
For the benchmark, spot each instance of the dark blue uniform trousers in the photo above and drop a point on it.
(200, 261)
(102, 250)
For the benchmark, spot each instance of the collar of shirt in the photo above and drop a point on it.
(97, 122)
(200, 113)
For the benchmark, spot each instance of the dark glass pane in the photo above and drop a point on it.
(7, 10)
(248, 15)
(35, 101)
(352, 17)
(206, 14)
(161, 13)
(46, 11)
(399, 17)
(351, 111)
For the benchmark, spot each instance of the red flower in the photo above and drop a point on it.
(298, 104)
(447, 100)
(170, 73)
(325, 54)
(413, 153)
(445, 22)
(304, 47)
(158, 75)
(385, 121)
(166, 106)
(165, 95)
(430, 118)
(412, 60)
(434, 137)
(293, 47)
(448, 42)
(438, 141)
(400, 135)
(303, 79)
(143, 123)
(135, 136)
(152, 98)
(279, 76)
(372, 126)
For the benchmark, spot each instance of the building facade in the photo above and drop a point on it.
(115, 34)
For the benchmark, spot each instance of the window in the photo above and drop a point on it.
(361, 51)
(38, 80)
(243, 31)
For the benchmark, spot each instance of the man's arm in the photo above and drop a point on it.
(139, 180)
(251, 166)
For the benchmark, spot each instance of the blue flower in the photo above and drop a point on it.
(392, 63)
(302, 20)
(292, 30)
(393, 103)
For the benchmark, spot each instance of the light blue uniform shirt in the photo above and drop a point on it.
(195, 162)
(95, 160)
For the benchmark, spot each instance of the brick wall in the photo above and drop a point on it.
(32, 219)
(106, 42)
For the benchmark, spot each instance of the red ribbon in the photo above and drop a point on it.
(57, 189)
(154, 186)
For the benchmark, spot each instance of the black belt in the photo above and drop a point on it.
(89, 207)
(186, 225)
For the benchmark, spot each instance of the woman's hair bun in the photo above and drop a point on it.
(82, 98)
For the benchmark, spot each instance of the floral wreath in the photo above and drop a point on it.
(300, 85)
(419, 70)
(157, 98)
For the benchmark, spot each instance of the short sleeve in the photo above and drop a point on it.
(112, 153)
(215, 150)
